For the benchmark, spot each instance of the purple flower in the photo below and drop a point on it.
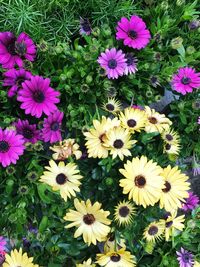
(85, 27)
(131, 64)
(52, 127)
(2, 243)
(185, 80)
(2, 257)
(37, 97)
(114, 62)
(191, 202)
(14, 79)
(185, 258)
(198, 120)
(133, 32)
(13, 50)
(28, 131)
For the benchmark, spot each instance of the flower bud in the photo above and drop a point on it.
(176, 42)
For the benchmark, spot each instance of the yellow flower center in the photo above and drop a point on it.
(140, 181)
(153, 120)
(131, 123)
(118, 143)
(61, 178)
(88, 219)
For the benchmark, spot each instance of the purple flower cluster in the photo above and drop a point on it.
(191, 202)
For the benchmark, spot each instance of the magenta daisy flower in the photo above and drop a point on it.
(185, 258)
(11, 147)
(52, 127)
(14, 79)
(191, 202)
(185, 80)
(133, 32)
(38, 97)
(2, 243)
(114, 62)
(85, 27)
(28, 131)
(13, 50)
(131, 64)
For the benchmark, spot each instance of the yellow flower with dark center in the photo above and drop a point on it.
(18, 259)
(118, 142)
(112, 105)
(176, 187)
(64, 178)
(119, 258)
(97, 136)
(143, 181)
(91, 220)
(156, 122)
(87, 263)
(154, 231)
(173, 224)
(172, 148)
(170, 136)
(124, 212)
(133, 119)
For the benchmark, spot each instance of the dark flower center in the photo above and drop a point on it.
(140, 181)
(169, 137)
(38, 96)
(101, 137)
(20, 48)
(132, 34)
(186, 258)
(167, 146)
(61, 178)
(124, 211)
(166, 215)
(28, 133)
(55, 126)
(19, 81)
(167, 187)
(4, 146)
(153, 230)
(118, 144)
(185, 80)
(86, 25)
(112, 237)
(11, 47)
(152, 120)
(115, 257)
(88, 219)
(168, 224)
(131, 123)
(112, 63)
(110, 107)
(129, 59)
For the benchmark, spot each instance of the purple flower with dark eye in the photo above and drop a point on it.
(85, 27)
(191, 202)
(131, 64)
(185, 258)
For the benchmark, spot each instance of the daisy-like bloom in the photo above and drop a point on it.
(87, 263)
(143, 181)
(154, 231)
(119, 258)
(85, 27)
(131, 64)
(154, 81)
(133, 119)
(172, 148)
(18, 259)
(185, 258)
(13, 50)
(38, 97)
(64, 178)
(28, 131)
(91, 220)
(170, 136)
(156, 122)
(112, 105)
(11, 147)
(52, 127)
(118, 142)
(65, 149)
(2, 243)
(191, 202)
(176, 188)
(124, 212)
(173, 224)
(96, 137)
(133, 32)
(114, 62)
(185, 80)
(14, 79)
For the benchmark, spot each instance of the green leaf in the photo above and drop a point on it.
(43, 224)
(42, 191)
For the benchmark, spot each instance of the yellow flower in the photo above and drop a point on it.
(154, 231)
(18, 259)
(156, 122)
(133, 119)
(124, 212)
(97, 136)
(169, 136)
(118, 142)
(62, 177)
(143, 181)
(173, 224)
(172, 148)
(119, 258)
(176, 187)
(65, 149)
(91, 221)
(112, 105)
(87, 263)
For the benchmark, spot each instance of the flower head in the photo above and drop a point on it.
(85, 27)
(154, 231)
(185, 258)
(173, 224)
(131, 64)
(191, 202)
(28, 131)
(87, 263)
(124, 212)
(112, 105)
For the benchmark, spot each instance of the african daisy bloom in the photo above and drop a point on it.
(91, 221)
(2, 243)
(85, 27)
(14, 78)
(38, 97)
(13, 50)
(113, 61)
(170, 136)
(143, 181)
(124, 212)
(131, 64)
(154, 231)
(119, 258)
(186, 80)
(156, 122)
(191, 202)
(185, 258)
(63, 178)
(87, 263)
(133, 32)
(173, 224)
(173, 149)
(18, 259)
(176, 187)
(112, 105)
(11, 147)
(28, 131)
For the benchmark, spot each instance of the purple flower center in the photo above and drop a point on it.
(131, 123)
(118, 143)
(112, 63)
(55, 126)
(11, 47)
(185, 80)
(38, 96)
(153, 230)
(28, 133)
(140, 181)
(88, 219)
(61, 178)
(86, 26)
(124, 211)
(4, 146)
(168, 224)
(115, 257)
(20, 48)
(129, 59)
(20, 80)
(186, 258)
(132, 34)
